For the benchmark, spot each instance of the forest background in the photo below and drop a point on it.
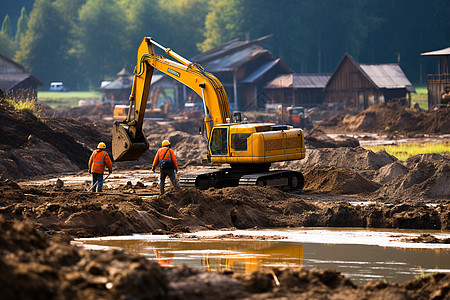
(83, 42)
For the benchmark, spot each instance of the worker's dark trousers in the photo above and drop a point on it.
(97, 177)
(162, 179)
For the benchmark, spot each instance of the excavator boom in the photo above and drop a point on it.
(129, 142)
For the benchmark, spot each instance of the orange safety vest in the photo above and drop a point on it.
(98, 160)
(170, 155)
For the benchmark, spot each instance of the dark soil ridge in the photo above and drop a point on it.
(391, 118)
(33, 266)
(83, 214)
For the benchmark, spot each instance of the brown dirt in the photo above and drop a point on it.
(427, 238)
(32, 266)
(390, 118)
(398, 192)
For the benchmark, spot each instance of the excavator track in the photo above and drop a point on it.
(282, 179)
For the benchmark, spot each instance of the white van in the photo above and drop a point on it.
(57, 86)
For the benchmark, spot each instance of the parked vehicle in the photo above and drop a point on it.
(57, 86)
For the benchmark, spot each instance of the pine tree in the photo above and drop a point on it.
(6, 27)
(22, 24)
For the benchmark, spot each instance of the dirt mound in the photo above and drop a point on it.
(347, 158)
(316, 138)
(29, 147)
(90, 113)
(425, 179)
(338, 181)
(391, 118)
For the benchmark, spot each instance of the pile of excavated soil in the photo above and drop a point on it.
(347, 158)
(421, 176)
(391, 118)
(123, 211)
(29, 147)
(337, 181)
(90, 113)
(316, 138)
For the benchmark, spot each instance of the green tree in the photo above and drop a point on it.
(101, 39)
(22, 24)
(223, 23)
(7, 46)
(43, 47)
(6, 27)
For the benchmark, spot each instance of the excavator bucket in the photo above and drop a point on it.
(123, 147)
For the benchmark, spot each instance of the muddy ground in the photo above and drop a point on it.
(346, 186)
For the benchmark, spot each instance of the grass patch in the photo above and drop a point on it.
(421, 97)
(25, 104)
(66, 99)
(405, 151)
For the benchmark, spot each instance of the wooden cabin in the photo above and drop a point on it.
(439, 84)
(358, 86)
(244, 68)
(297, 89)
(15, 81)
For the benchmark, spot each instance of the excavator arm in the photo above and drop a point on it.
(129, 142)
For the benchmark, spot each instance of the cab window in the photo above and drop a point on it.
(219, 139)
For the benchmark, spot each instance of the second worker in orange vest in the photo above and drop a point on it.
(165, 158)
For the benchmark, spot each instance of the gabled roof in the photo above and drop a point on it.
(387, 76)
(299, 81)
(232, 55)
(263, 69)
(441, 52)
(14, 74)
(19, 67)
(227, 49)
(382, 76)
(125, 81)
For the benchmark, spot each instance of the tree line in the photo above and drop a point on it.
(83, 42)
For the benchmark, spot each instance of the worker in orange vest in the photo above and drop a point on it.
(165, 158)
(97, 162)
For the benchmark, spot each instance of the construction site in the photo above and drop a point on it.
(44, 192)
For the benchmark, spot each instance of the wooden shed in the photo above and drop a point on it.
(244, 68)
(15, 81)
(358, 86)
(439, 84)
(297, 89)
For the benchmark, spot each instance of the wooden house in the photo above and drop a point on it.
(119, 90)
(297, 89)
(16, 81)
(358, 86)
(244, 68)
(439, 84)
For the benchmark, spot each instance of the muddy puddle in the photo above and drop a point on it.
(359, 254)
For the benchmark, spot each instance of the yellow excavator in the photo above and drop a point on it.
(249, 148)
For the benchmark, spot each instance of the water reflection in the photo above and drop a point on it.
(360, 262)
